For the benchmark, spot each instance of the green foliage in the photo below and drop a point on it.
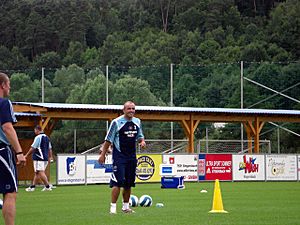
(90, 58)
(255, 51)
(74, 54)
(67, 78)
(93, 91)
(278, 54)
(20, 92)
(158, 79)
(53, 94)
(216, 91)
(13, 59)
(190, 43)
(133, 89)
(186, 92)
(191, 19)
(5, 57)
(229, 54)
(208, 50)
(284, 26)
(48, 60)
(128, 32)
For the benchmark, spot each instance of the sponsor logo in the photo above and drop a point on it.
(96, 165)
(130, 133)
(201, 167)
(277, 170)
(277, 167)
(71, 165)
(145, 168)
(248, 166)
(166, 169)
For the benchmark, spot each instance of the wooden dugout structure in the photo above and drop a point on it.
(47, 114)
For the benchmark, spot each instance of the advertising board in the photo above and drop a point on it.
(186, 165)
(248, 167)
(148, 168)
(215, 166)
(70, 169)
(96, 172)
(281, 167)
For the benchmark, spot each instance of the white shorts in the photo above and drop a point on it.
(39, 165)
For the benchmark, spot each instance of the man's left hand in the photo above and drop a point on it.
(142, 144)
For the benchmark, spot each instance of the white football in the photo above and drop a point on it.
(133, 201)
(145, 201)
(1, 203)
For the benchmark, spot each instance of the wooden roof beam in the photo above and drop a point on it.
(29, 108)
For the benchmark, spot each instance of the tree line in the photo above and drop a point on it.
(37, 33)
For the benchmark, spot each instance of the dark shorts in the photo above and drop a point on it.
(8, 178)
(123, 174)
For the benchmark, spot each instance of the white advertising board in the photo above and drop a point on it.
(70, 169)
(281, 167)
(96, 172)
(186, 165)
(248, 167)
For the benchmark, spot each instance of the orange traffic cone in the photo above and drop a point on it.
(217, 206)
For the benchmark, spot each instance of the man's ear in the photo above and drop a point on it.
(2, 85)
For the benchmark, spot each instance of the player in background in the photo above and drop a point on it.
(123, 134)
(41, 150)
(8, 141)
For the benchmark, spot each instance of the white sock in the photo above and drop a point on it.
(125, 205)
(113, 207)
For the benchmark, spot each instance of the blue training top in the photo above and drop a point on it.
(41, 145)
(123, 134)
(7, 115)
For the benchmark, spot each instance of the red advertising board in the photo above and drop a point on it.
(217, 166)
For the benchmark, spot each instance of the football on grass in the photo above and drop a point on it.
(133, 201)
(145, 201)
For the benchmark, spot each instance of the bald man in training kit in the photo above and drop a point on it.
(123, 134)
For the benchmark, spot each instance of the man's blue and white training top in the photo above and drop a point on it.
(8, 173)
(7, 115)
(124, 134)
(41, 145)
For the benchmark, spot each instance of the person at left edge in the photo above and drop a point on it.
(8, 139)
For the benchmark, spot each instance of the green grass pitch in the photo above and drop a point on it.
(257, 203)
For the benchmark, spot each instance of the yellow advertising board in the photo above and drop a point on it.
(148, 168)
